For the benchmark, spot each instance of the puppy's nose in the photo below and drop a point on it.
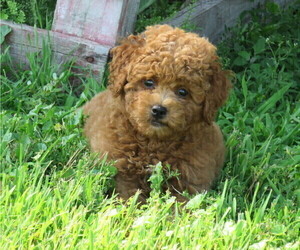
(158, 111)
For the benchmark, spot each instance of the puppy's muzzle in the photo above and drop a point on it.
(158, 112)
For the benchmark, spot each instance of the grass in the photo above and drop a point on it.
(38, 13)
(156, 12)
(54, 191)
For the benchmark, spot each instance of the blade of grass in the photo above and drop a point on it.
(270, 103)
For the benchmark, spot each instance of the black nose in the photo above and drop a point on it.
(158, 111)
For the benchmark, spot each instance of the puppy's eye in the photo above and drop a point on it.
(182, 92)
(149, 83)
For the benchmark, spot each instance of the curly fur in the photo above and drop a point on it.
(119, 119)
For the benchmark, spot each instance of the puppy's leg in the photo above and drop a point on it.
(127, 187)
(194, 178)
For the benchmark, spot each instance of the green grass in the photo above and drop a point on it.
(54, 191)
(37, 13)
(156, 12)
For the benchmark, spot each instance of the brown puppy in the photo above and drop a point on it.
(166, 86)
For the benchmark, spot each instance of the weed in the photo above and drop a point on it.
(11, 10)
(37, 13)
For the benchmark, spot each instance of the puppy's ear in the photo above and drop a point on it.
(122, 59)
(217, 93)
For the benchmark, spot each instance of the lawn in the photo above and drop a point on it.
(54, 191)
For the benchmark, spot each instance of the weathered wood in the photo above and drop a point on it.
(95, 20)
(82, 30)
(128, 18)
(25, 39)
(210, 17)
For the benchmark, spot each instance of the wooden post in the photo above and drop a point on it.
(25, 39)
(99, 21)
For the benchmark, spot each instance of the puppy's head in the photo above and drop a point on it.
(168, 80)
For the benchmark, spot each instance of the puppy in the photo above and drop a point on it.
(165, 87)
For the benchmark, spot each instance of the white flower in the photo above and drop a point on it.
(140, 221)
(175, 247)
(294, 245)
(37, 156)
(259, 245)
(228, 228)
(110, 213)
(169, 233)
